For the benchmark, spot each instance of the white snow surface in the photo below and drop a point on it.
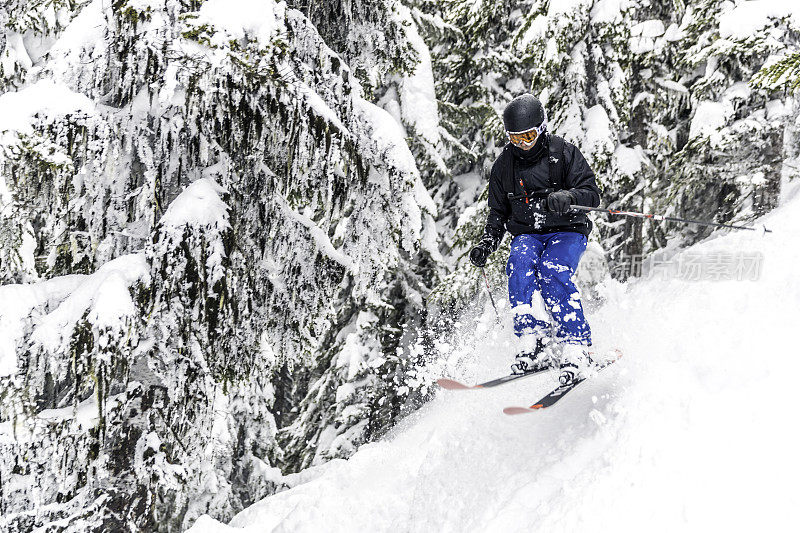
(103, 296)
(692, 430)
(598, 135)
(16, 303)
(387, 135)
(254, 19)
(565, 6)
(46, 98)
(200, 204)
(747, 17)
(324, 244)
(709, 118)
(609, 11)
(536, 30)
(84, 31)
(417, 94)
(628, 160)
(648, 28)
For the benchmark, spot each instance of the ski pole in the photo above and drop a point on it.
(663, 217)
(489, 290)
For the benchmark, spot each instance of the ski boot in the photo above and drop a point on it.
(576, 365)
(531, 361)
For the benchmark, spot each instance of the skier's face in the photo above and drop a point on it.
(523, 145)
(526, 140)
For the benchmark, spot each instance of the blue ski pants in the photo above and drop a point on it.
(540, 286)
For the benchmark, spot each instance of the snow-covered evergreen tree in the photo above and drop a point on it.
(728, 164)
(234, 243)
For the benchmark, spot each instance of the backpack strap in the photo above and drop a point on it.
(513, 186)
(558, 166)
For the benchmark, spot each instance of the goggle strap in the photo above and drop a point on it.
(538, 129)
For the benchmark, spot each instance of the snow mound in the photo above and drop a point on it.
(103, 297)
(46, 98)
(239, 19)
(745, 18)
(199, 205)
(689, 431)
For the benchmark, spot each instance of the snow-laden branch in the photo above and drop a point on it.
(324, 244)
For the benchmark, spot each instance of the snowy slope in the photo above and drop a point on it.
(695, 429)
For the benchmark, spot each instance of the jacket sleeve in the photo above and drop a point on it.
(499, 208)
(580, 179)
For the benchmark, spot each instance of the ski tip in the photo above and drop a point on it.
(522, 410)
(451, 384)
(516, 410)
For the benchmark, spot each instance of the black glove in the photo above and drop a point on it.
(481, 252)
(560, 201)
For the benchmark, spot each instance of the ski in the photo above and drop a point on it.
(451, 384)
(556, 394)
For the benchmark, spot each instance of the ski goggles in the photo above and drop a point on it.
(526, 138)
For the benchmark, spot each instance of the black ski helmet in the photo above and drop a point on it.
(523, 113)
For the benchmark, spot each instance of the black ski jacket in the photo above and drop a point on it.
(539, 174)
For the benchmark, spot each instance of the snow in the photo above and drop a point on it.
(206, 524)
(46, 98)
(423, 197)
(746, 18)
(565, 6)
(535, 31)
(674, 33)
(776, 109)
(200, 204)
(688, 432)
(672, 85)
(104, 295)
(64, 300)
(597, 126)
(648, 29)
(316, 103)
(551, 51)
(388, 148)
(323, 242)
(739, 90)
(17, 302)
(84, 416)
(610, 446)
(85, 413)
(84, 31)
(417, 96)
(254, 19)
(711, 117)
(15, 52)
(387, 135)
(644, 35)
(609, 11)
(629, 161)
(708, 119)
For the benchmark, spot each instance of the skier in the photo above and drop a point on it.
(532, 185)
